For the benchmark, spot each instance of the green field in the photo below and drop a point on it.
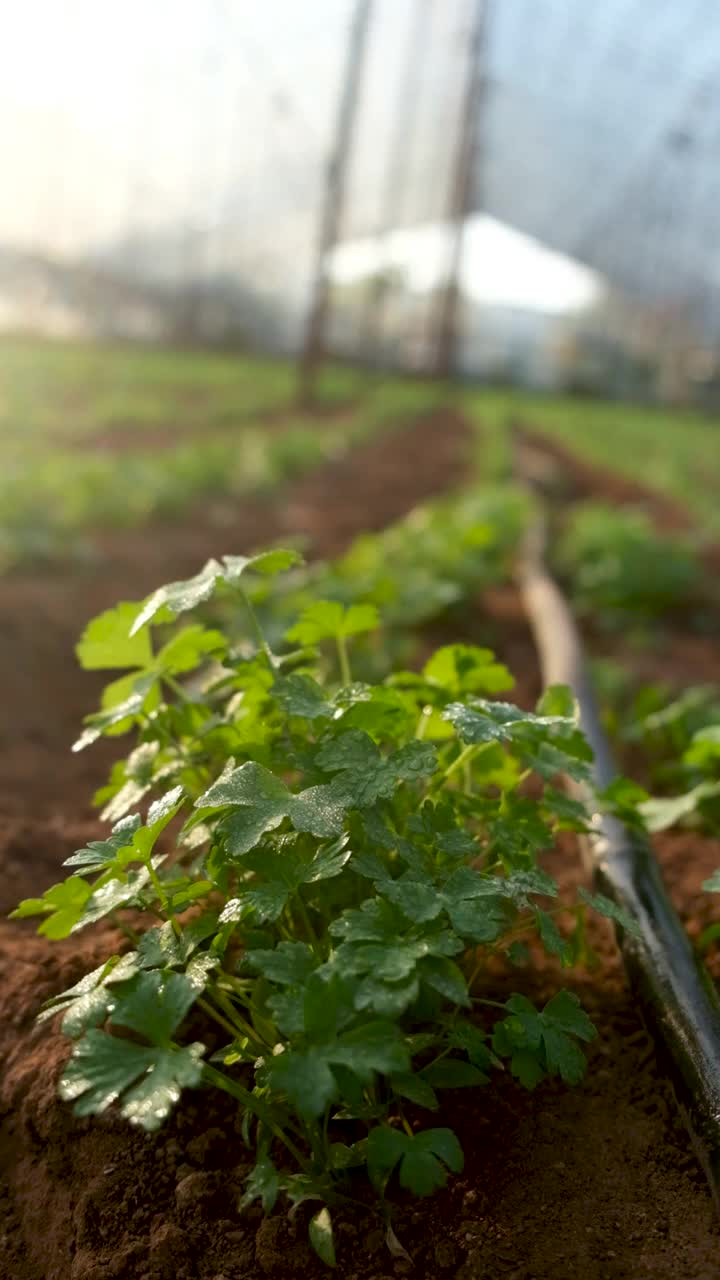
(106, 437)
(100, 437)
(676, 453)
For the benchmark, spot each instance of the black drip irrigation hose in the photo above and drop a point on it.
(676, 996)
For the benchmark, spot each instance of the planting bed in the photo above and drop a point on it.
(596, 1181)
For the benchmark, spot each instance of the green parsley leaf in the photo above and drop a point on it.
(328, 620)
(263, 1184)
(92, 999)
(106, 641)
(365, 774)
(179, 597)
(463, 668)
(422, 1158)
(606, 907)
(154, 1004)
(264, 801)
(147, 1080)
(300, 695)
(64, 904)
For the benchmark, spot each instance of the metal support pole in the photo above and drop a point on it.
(314, 344)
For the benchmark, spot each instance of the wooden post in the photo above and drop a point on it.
(314, 344)
(374, 312)
(461, 195)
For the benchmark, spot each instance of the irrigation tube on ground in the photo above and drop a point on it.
(678, 1000)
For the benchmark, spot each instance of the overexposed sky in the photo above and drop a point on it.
(126, 115)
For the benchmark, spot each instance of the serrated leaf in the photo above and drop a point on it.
(328, 861)
(527, 1068)
(106, 641)
(300, 695)
(444, 976)
(386, 713)
(444, 1144)
(267, 563)
(550, 935)
(411, 1086)
(287, 964)
(64, 905)
(474, 905)
(567, 1014)
(287, 1009)
(483, 722)
(480, 721)
(452, 1073)
(540, 1042)
(97, 854)
(422, 1158)
(386, 999)
(154, 1004)
(121, 715)
(418, 900)
(557, 700)
(320, 1232)
(473, 1041)
(385, 1147)
(187, 648)
(372, 1047)
(306, 1076)
(148, 1081)
(606, 907)
(325, 1002)
(263, 801)
(118, 892)
(179, 597)
(328, 620)
(661, 813)
(463, 668)
(364, 774)
(422, 1173)
(563, 1056)
(373, 921)
(89, 1002)
(263, 1184)
(307, 1080)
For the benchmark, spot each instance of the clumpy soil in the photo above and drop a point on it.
(596, 1182)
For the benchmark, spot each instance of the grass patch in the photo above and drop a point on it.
(675, 453)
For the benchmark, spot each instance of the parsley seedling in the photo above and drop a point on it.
(330, 865)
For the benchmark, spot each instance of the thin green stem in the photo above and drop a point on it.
(248, 1100)
(259, 633)
(459, 762)
(160, 893)
(217, 1017)
(177, 689)
(406, 1125)
(423, 722)
(307, 922)
(343, 659)
(239, 1024)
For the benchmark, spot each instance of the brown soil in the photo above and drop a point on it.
(584, 479)
(597, 1182)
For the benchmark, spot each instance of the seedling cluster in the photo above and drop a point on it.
(324, 874)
